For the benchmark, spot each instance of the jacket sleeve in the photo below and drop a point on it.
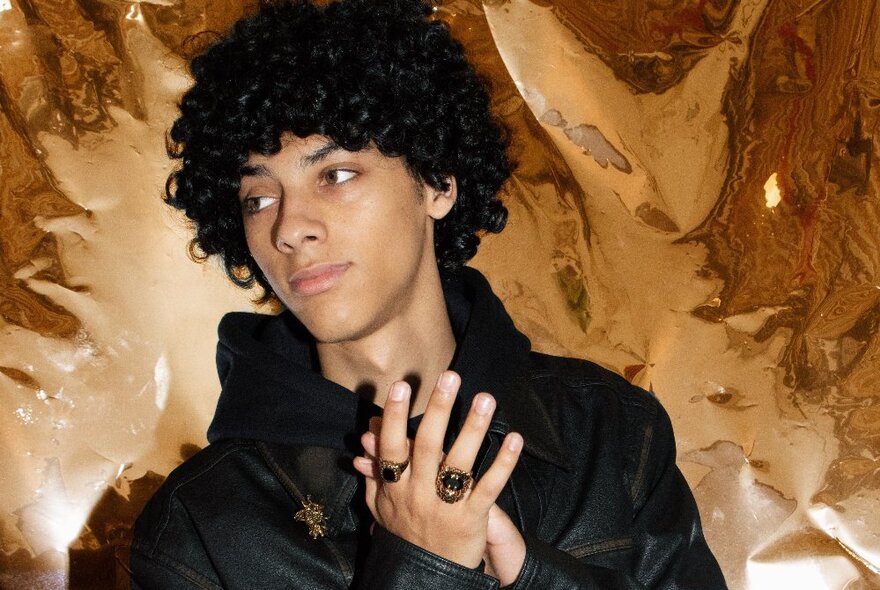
(152, 573)
(669, 551)
(394, 563)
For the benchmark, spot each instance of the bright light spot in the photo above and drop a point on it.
(120, 471)
(818, 572)
(771, 192)
(162, 377)
(52, 521)
(5, 5)
(133, 13)
(25, 415)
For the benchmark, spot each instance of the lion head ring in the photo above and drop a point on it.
(452, 483)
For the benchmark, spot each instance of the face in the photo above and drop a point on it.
(345, 239)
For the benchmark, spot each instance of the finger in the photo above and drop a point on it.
(370, 442)
(467, 445)
(428, 447)
(393, 445)
(490, 485)
(371, 487)
(366, 467)
(375, 424)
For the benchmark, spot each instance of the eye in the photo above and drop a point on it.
(339, 175)
(251, 205)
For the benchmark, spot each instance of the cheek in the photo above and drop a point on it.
(397, 230)
(257, 235)
(261, 250)
(396, 252)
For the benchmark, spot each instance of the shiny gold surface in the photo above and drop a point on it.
(696, 191)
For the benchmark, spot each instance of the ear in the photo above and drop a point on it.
(439, 202)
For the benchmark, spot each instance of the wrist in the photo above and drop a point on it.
(465, 553)
(421, 567)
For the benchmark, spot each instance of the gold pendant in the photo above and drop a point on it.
(312, 514)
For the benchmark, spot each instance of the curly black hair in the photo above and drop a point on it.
(359, 72)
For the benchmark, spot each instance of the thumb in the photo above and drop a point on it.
(500, 530)
(505, 547)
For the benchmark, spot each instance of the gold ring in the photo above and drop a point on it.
(390, 471)
(452, 483)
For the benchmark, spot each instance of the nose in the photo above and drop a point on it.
(298, 224)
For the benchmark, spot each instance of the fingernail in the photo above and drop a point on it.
(447, 380)
(398, 391)
(514, 441)
(483, 404)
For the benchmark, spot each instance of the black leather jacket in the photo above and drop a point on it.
(596, 493)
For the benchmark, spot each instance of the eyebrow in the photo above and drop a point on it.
(318, 154)
(253, 170)
(309, 159)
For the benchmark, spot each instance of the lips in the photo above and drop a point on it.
(317, 278)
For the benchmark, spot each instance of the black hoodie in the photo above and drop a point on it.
(272, 390)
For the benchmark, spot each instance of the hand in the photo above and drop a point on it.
(410, 507)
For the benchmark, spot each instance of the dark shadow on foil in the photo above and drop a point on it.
(99, 558)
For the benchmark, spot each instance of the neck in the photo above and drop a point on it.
(416, 347)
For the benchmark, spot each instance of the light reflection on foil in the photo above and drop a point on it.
(134, 13)
(162, 379)
(772, 195)
(696, 188)
(52, 521)
(25, 415)
(762, 339)
(94, 288)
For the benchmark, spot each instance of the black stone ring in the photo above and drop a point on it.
(452, 483)
(390, 471)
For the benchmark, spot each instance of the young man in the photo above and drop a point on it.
(344, 159)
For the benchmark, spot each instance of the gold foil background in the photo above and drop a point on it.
(695, 205)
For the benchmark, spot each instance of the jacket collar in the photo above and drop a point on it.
(493, 356)
(272, 392)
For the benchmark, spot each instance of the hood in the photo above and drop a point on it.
(271, 390)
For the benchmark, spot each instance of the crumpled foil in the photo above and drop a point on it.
(694, 206)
